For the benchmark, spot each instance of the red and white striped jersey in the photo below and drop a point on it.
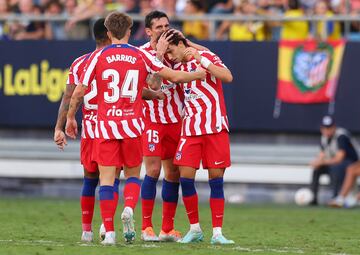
(120, 71)
(168, 110)
(89, 108)
(205, 110)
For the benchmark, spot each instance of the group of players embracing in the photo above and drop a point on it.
(161, 103)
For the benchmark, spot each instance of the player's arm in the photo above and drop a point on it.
(154, 81)
(148, 94)
(59, 135)
(181, 76)
(71, 128)
(219, 72)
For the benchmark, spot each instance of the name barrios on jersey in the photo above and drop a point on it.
(121, 57)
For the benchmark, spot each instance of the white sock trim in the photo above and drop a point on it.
(217, 231)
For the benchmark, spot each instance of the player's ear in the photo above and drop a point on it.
(148, 31)
(109, 34)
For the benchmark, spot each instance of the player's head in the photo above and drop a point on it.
(118, 25)
(176, 48)
(328, 126)
(156, 22)
(100, 32)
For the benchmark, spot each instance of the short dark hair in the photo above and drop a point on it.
(175, 39)
(100, 31)
(118, 23)
(154, 15)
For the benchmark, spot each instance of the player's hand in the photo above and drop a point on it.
(160, 95)
(163, 42)
(71, 128)
(192, 52)
(60, 139)
(201, 72)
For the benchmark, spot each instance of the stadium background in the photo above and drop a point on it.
(270, 155)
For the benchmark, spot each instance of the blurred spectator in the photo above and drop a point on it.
(294, 30)
(272, 8)
(220, 6)
(127, 6)
(337, 153)
(145, 8)
(167, 6)
(27, 30)
(197, 29)
(323, 30)
(4, 26)
(243, 31)
(77, 26)
(54, 29)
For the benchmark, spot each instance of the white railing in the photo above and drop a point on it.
(211, 18)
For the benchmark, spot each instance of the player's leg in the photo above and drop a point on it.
(106, 194)
(188, 157)
(90, 182)
(102, 230)
(152, 158)
(170, 185)
(148, 195)
(170, 197)
(217, 205)
(87, 202)
(216, 158)
(191, 202)
(109, 158)
(132, 166)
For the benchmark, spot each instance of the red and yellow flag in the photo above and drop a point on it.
(308, 71)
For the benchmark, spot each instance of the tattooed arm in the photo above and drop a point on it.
(71, 128)
(59, 135)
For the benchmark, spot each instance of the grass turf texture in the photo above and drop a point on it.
(31, 226)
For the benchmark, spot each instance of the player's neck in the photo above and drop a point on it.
(153, 45)
(117, 41)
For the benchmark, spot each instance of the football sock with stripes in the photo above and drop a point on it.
(217, 201)
(190, 199)
(87, 202)
(170, 196)
(116, 194)
(131, 192)
(107, 209)
(148, 194)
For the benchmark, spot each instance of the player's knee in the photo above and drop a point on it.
(172, 176)
(91, 175)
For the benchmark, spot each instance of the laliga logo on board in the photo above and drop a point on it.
(34, 80)
(310, 68)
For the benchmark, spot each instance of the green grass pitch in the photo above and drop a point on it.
(39, 227)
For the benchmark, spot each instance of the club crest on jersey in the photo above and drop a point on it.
(178, 155)
(189, 96)
(151, 147)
